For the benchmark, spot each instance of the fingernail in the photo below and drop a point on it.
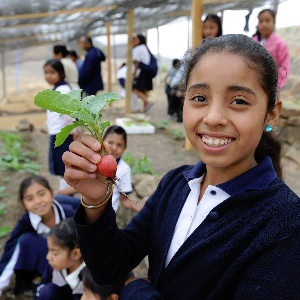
(96, 145)
(92, 175)
(95, 157)
(92, 166)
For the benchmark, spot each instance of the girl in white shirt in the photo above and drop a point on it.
(55, 75)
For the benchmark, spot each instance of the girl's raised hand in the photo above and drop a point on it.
(81, 168)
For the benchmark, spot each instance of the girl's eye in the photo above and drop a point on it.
(199, 99)
(239, 102)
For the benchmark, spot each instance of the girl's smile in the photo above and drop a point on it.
(224, 112)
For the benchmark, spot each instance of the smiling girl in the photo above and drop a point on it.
(25, 251)
(226, 228)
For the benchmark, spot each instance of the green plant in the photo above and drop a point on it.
(2, 194)
(177, 134)
(138, 165)
(163, 124)
(15, 158)
(5, 179)
(3, 208)
(4, 230)
(88, 114)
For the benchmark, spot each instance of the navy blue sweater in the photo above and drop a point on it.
(249, 251)
(90, 79)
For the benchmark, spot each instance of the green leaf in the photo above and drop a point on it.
(75, 94)
(96, 103)
(57, 102)
(84, 116)
(64, 133)
(103, 125)
(4, 230)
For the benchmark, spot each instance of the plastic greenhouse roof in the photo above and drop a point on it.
(26, 23)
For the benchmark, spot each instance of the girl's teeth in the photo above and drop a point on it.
(215, 142)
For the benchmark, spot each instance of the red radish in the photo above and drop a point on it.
(107, 166)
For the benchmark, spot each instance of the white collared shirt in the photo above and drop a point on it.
(194, 213)
(38, 226)
(72, 279)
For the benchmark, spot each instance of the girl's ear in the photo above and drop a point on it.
(273, 116)
(75, 254)
(52, 193)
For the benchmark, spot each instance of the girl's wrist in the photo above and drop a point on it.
(95, 203)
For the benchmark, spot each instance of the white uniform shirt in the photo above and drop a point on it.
(54, 122)
(124, 173)
(71, 72)
(140, 53)
(194, 213)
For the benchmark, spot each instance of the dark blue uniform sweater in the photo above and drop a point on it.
(248, 248)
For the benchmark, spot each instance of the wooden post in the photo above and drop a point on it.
(128, 82)
(3, 78)
(196, 15)
(158, 59)
(115, 57)
(108, 54)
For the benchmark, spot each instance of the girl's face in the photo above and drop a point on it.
(135, 41)
(89, 295)
(38, 199)
(118, 143)
(266, 24)
(210, 29)
(60, 258)
(51, 75)
(224, 112)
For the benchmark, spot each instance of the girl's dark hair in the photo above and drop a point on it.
(116, 129)
(273, 14)
(258, 59)
(26, 183)
(176, 63)
(64, 234)
(61, 49)
(88, 281)
(216, 19)
(57, 66)
(142, 39)
(73, 53)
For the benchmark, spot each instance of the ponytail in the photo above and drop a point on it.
(271, 147)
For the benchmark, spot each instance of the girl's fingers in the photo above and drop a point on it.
(72, 160)
(108, 148)
(80, 149)
(91, 142)
(73, 175)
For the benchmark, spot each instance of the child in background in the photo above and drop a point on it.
(55, 75)
(212, 27)
(226, 228)
(92, 291)
(78, 62)
(266, 36)
(25, 251)
(60, 281)
(121, 75)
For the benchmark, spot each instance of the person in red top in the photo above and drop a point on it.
(266, 36)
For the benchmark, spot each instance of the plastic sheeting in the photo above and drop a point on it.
(25, 23)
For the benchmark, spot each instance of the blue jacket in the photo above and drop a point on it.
(90, 79)
(248, 248)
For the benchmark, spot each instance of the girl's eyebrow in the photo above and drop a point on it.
(235, 88)
(199, 86)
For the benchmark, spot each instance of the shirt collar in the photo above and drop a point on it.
(59, 84)
(72, 279)
(36, 221)
(257, 177)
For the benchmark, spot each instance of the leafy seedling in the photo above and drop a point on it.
(87, 112)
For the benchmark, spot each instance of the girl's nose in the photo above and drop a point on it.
(48, 256)
(216, 115)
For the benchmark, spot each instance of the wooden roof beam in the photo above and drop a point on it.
(56, 13)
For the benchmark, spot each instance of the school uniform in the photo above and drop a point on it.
(241, 242)
(279, 50)
(26, 249)
(124, 182)
(58, 285)
(55, 123)
(141, 54)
